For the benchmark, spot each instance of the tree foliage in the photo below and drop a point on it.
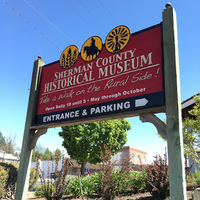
(7, 144)
(191, 131)
(84, 142)
(2, 141)
(45, 154)
(57, 154)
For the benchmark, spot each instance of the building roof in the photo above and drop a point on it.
(89, 165)
(7, 156)
(187, 105)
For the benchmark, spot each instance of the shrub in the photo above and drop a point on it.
(34, 175)
(157, 180)
(11, 170)
(95, 181)
(60, 182)
(128, 181)
(74, 187)
(193, 180)
(3, 178)
(54, 188)
(196, 176)
(121, 180)
(107, 183)
(87, 183)
(137, 181)
(39, 192)
(113, 182)
(8, 179)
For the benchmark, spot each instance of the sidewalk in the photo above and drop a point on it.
(31, 195)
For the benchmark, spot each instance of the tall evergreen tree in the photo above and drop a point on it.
(2, 141)
(7, 144)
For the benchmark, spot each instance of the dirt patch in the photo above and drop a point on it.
(141, 196)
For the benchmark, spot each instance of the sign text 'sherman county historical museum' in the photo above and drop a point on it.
(121, 76)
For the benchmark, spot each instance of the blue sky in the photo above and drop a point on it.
(46, 28)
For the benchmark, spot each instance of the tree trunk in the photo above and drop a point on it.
(83, 164)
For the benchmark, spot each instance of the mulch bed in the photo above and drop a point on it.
(141, 196)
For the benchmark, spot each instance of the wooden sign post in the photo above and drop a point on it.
(173, 106)
(26, 152)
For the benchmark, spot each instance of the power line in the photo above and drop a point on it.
(45, 18)
(85, 19)
(94, 17)
(108, 11)
(28, 22)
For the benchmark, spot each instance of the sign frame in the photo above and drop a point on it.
(135, 110)
(173, 113)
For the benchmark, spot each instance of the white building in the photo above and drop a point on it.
(7, 157)
(48, 167)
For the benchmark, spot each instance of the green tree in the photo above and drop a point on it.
(16, 154)
(57, 154)
(84, 142)
(38, 152)
(7, 144)
(2, 141)
(48, 155)
(45, 154)
(191, 131)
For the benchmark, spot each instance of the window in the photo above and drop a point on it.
(144, 160)
(139, 160)
(132, 158)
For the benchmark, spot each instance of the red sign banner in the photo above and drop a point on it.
(105, 83)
